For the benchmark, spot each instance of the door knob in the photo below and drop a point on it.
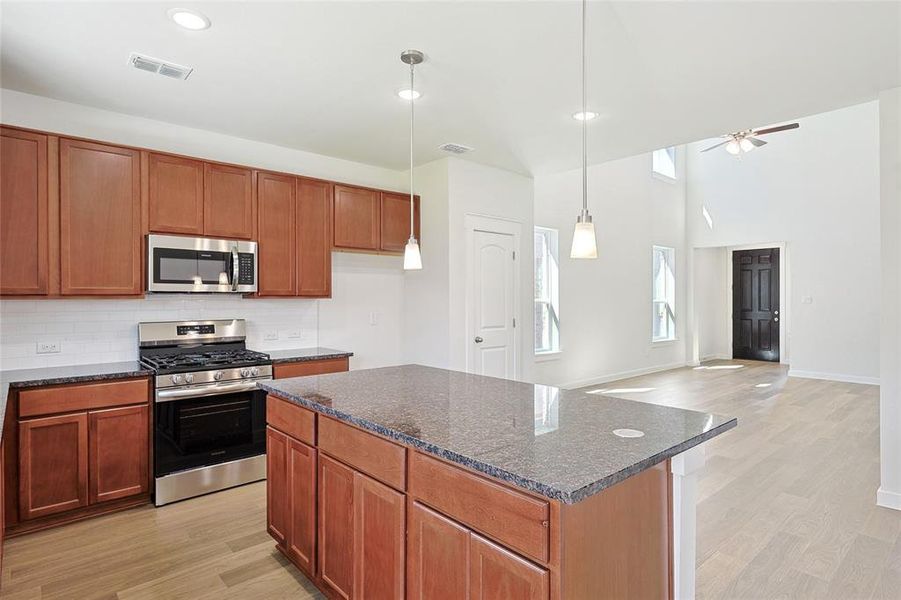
(479, 340)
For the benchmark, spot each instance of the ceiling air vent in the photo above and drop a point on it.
(455, 148)
(161, 67)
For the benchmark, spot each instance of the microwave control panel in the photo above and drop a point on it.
(246, 275)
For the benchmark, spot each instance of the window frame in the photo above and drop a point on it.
(675, 160)
(551, 303)
(669, 301)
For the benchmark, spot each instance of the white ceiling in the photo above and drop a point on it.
(502, 77)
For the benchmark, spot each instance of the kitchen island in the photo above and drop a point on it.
(419, 482)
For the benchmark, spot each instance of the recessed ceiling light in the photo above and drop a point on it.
(409, 94)
(586, 116)
(188, 19)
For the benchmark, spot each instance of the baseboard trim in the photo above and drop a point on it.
(888, 499)
(841, 377)
(621, 375)
(716, 357)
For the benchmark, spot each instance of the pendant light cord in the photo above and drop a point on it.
(584, 120)
(412, 103)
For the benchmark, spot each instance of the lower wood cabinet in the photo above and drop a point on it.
(277, 485)
(118, 453)
(53, 465)
(498, 573)
(336, 526)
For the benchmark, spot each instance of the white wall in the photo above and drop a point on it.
(711, 298)
(817, 190)
(605, 304)
(362, 285)
(890, 364)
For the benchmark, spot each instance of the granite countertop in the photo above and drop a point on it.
(558, 443)
(25, 378)
(303, 354)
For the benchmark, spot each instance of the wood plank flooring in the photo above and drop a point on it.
(787, 502)
(787, 510)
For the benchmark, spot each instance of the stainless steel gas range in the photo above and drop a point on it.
(209, 415)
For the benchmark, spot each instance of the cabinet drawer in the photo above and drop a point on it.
(371, 454)
(310, 367)
(71, 398)
(515, 519)
(287, 417)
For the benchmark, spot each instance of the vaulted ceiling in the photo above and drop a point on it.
(502, 77)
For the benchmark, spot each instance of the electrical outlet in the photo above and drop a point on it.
(48, 347)
(806, 299)
(270, 336)
(295, 334)
(373, 318)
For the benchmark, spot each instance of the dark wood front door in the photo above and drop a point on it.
(755, 304)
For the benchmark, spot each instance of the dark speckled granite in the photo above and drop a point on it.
(304, 354)
(25, 378)
(558, 443)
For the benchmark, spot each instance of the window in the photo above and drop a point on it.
(547, 277)
(664, 162)
(663, 304)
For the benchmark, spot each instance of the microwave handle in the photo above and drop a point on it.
(236, 268)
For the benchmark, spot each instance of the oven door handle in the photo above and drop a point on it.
(213, 390)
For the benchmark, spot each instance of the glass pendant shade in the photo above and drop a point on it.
(412, 256)
(585, 243)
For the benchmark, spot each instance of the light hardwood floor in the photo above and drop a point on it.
(787, 510)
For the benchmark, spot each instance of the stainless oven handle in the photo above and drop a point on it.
(236, 268)
(213, 390)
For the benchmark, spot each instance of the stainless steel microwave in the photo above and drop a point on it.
(200, 265)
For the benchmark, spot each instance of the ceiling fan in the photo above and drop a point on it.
(745, 141)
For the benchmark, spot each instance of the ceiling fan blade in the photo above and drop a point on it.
(755, 141)
(775, 129)
(716, 145)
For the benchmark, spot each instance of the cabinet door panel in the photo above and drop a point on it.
(53, 465)
(227, 201)
(336, 526)
(395, 221)
(176, 195)
(119, 454)
(23, 213)
(314, 238)
(302, 510)
(438, 554)
(498, 573)
(275, 234)
(379, 548)
(356, 218)
(277, 493)
(100, 219)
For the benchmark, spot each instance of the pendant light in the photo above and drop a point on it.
(585, 243)
(412, 256)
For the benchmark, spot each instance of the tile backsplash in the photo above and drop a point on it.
(95, 331)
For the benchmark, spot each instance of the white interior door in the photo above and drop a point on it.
(492, 303)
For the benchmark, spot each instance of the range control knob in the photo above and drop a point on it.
(254, 371)
(176, 379)
(245, 372)
(189, 377)
(217, 375)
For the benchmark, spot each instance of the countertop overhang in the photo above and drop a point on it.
(554, 442)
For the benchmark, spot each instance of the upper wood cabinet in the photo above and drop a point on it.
(100, 219)
(357, 218)
(276, 206)
(175, 194)
(227, 201)
(118, 453)
(395, 221)
(314, 238)
(23, 213)
(53, 465)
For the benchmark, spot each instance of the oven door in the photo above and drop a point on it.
(208, 430)
(186, 264)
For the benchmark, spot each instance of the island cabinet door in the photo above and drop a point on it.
(301, 541)
(498, 573)
(336, 526)
(119, 454)
(53, 464)
(277, 493)
(379, 548)
(438, 554)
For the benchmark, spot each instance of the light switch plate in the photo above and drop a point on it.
(270, 335)
(806, 299)
(48, 347)
(295, 334)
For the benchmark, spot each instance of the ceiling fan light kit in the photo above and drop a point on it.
(744, 141)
